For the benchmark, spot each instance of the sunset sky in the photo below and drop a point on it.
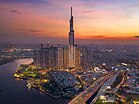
(33, 21)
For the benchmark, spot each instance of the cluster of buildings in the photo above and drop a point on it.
(127, 91)
(66, 79)
(83, 56)
(60, 57)
(131, 85)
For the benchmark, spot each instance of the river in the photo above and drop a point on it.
(13, 91)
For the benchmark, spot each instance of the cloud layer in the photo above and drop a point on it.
(93, 19)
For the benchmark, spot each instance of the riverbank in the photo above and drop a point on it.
(46, 93)
(55, 83)
(16, 90)
(6, 60)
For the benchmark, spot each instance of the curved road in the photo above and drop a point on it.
(87, 93)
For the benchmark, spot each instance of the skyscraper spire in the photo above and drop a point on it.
(71, 11)
(71, 33)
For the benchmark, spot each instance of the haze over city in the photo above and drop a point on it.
(100, 21)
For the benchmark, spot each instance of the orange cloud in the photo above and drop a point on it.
(90, 22)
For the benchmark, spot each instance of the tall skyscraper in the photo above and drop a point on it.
(59, 57)
(71, 44)
(71, 33)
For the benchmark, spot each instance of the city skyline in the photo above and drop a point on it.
(49, 56)
(45, 20)
(69, 51)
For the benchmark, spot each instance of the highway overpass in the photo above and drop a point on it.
(88, 94)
